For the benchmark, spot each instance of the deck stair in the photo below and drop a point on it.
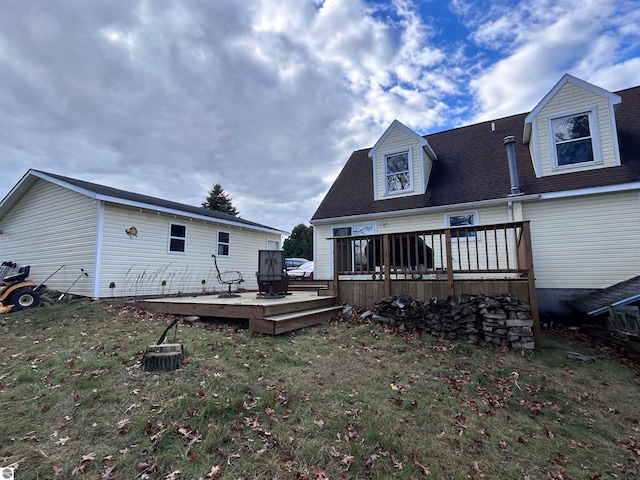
(271, 316)
(285, 322)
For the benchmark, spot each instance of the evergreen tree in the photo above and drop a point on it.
(220, 201)
(299, 243)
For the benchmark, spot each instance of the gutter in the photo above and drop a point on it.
(181, 213)
(420, 211)
(623, 302)
(149, 206)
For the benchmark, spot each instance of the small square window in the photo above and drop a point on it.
(177, 238)
(224, 240)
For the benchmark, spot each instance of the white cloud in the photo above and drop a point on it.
(269, 97)
(582, 38)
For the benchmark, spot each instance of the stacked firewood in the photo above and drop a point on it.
(496, 319)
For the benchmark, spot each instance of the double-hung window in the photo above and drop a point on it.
(224, 242)
(573, 139)
(177, 238)
(398, 172)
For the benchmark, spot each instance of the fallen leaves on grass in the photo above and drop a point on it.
(413, 458)
(106, 474)
(123, 426)
(460, 422)
(215, 472)
(191, 435)
(85, 463)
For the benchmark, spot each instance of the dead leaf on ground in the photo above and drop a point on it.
(106, 475)
(319, 473)
(347, 460)
(173, 475)
(215, 472)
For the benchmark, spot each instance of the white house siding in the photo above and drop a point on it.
(138, 265)
(585, 242)
(405, 223)
(571, 98)
(48, 227)
(397, 140)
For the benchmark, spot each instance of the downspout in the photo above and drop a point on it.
(97, 257)
(512, 235)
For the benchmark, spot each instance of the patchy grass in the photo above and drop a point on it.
(344, 400)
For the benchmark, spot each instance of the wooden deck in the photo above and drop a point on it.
(270, 316)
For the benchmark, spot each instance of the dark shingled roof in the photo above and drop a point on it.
(472, 166)
(596, 303)
(153, 201)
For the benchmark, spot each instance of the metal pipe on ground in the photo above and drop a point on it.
(74, 282)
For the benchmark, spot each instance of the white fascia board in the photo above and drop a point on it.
(485, 203)
(418, 138)
(421, 211)
(622, 302)
(181, 213)
(19, 189)
(622, 187)
(68, 186)
(157, 208)
(568, 78)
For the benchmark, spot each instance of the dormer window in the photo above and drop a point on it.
(398, 172)
(573, 137)
(573, 129)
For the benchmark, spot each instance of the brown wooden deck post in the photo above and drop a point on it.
(533, 299)
(449, 248)
(386, 259)
(336, 269)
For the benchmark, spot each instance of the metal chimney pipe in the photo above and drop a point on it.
(513, 169)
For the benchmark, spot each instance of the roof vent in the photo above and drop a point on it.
(513, 169)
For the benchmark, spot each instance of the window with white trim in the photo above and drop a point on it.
(177, 238)
(224, 242)
(398, 172)
(572, 138)
(457, 221)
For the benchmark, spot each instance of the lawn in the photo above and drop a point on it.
(348, 399)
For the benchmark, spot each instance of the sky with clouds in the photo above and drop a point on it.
(270, 97)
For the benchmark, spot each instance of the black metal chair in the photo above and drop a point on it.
(230, 277)
(272, 279)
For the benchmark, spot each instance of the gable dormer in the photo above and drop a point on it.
(402, 161)
(573, 128)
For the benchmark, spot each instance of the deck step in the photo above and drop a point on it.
(306, 285)
(286, 322)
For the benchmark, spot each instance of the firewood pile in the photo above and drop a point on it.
(501, 320)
